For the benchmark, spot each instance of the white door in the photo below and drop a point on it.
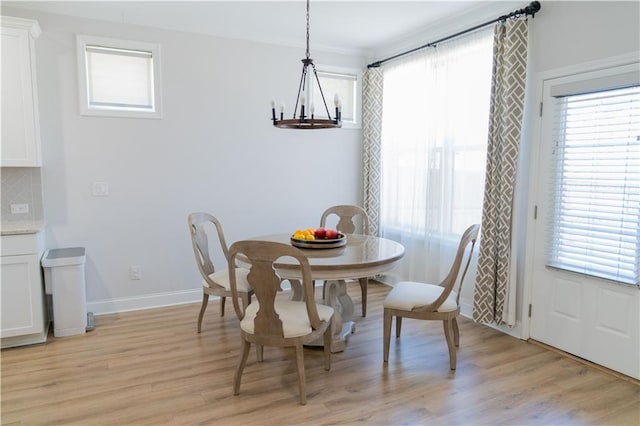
(597, 319)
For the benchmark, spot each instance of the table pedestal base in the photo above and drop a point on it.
(335, 296)
(343, 326)
(340, 337)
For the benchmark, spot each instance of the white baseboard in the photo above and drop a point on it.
(148, 301)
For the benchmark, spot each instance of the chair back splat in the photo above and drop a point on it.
(347, 216)
(469, 236)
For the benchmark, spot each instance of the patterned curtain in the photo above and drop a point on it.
(371, 134)
(494, 298)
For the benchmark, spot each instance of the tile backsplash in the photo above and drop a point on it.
(21, 185)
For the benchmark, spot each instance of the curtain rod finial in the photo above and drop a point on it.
(534, 7)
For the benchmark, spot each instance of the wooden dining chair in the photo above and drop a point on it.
(424, 301)
(351, 220)
(271, 322)
(349, 217)
(214, 283)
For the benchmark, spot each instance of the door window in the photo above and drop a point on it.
(596, 184)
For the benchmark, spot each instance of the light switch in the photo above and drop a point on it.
(135, 272)
(19, 208)
(100, 189)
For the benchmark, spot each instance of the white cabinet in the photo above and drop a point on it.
(24, 319)
(20, 124)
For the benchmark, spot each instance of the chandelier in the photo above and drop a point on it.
(306, 119)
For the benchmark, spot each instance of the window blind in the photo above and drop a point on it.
(595, 223)
(119, 78)
(333, 83)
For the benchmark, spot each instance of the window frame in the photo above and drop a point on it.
(324, 71)
(576, 83)
(82, 41)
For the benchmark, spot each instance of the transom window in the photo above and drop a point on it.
(342, 82)
(118, 78)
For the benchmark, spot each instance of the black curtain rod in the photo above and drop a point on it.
(532, 9)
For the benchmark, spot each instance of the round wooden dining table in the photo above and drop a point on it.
(363, 256)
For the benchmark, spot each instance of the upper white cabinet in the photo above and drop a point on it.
(20, 125)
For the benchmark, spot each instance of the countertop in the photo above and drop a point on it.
(21, 227)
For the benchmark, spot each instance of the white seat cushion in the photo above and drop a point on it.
(408, 295)
(222, 279)
(294, 317)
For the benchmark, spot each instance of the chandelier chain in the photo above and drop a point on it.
(308, 54)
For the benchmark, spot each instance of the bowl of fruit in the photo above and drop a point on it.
(318, 238)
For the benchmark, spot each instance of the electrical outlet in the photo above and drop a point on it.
(135, 272)
(19, 208)
(100, 189)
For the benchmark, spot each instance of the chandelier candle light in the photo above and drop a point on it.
(304, 121)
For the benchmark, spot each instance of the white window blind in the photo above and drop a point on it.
(119, 78)
(596, 188)
(343, 82)
(343, 85)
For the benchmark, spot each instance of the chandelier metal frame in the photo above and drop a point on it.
(306, 119)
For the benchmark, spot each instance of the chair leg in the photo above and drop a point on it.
(387, 334)
(456, 332)
(222, 303)
(327, 337)
(246, 301)
(243, 360)
(205, 302)
(260, 353)
(398, 325)
(448, 334)
(301, 375)
(363, 288)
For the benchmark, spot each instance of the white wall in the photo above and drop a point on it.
(571, 32)
(215, 150)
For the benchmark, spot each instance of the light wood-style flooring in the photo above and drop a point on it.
(152, 368)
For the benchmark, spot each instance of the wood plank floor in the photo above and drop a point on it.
(152, 368)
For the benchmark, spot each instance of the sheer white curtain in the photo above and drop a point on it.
(434, 143)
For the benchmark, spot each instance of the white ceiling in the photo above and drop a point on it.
(350, 26)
